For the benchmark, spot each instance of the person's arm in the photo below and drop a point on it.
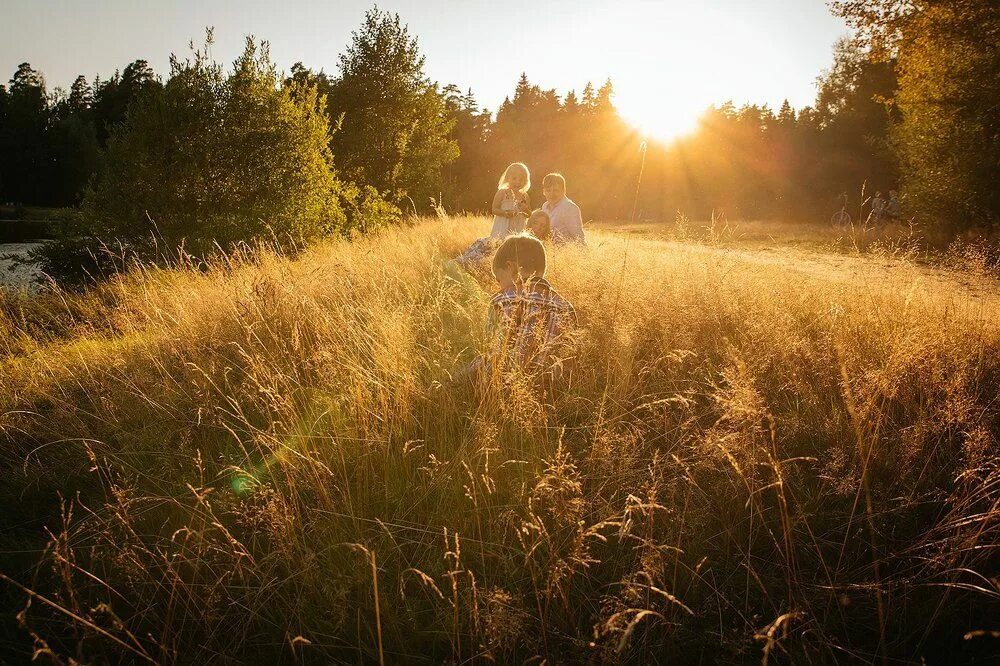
(524, 204)
(578, 224)
(498, 202)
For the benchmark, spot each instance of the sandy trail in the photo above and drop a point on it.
(813, 260)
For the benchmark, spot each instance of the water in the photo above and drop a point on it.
(16, 276)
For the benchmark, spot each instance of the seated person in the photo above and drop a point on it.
(538, 225)
(529, 321)
(566, 219)
(511, 203)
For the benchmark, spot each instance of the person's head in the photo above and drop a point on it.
(518, 258)
(539, 224)
(515, 177)
(554, 187)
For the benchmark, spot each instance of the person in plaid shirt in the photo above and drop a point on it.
(530, 323)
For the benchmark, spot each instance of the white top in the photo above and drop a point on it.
(509, 201)
(567, 221)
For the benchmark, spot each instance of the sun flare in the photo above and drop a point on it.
(659, 119)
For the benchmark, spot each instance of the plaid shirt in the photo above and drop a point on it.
(529, 325)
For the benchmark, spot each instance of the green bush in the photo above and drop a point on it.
(216, 159)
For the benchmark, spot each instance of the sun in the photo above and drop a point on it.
(658, 118)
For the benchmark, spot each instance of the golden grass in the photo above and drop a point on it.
(270, 459)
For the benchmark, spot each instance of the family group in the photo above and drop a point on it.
(530, 324)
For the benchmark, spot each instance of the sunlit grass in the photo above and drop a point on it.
(756, 453)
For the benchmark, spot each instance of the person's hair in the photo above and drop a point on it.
(527, 253)
(554, 178)
(504, 183)
(546, 228)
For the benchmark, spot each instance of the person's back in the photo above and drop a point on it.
(893, 208)
(531, 324)
(529, 320)
(878, 207)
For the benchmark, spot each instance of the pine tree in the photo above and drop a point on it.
(605, 95)
(572, 105)
(394, 131)
(786, 114)
(523, 88)
(469, 102)
(589, 97)
(24, 156)
(81, 96)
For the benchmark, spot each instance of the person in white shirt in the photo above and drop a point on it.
(565, 216)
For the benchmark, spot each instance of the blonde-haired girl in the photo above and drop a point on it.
(511, 204)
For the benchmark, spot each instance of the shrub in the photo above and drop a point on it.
(215, 160)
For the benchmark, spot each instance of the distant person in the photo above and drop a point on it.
(530, 323)
(511, 204)
(567, 221)
(892, 209)
(878, 207)
(538, 225)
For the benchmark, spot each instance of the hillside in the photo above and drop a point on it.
(761, 451)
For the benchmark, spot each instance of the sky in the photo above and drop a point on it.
(668, 59)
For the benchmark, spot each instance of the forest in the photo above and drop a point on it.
(902, 98)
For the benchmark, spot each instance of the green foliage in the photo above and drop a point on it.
(950, 139)
(399, 135)
(394, 129)
(911, 98)
(114, 96)
(219, 159)
(469, 179)
(854, 110)
(949, 81)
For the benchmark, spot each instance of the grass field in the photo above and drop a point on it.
(765, 453)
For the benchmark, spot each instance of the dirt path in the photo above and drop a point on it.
(871, 269)
(800, 253)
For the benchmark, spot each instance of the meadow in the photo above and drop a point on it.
(763, 454)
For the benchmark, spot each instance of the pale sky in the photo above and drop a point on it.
(669, 59)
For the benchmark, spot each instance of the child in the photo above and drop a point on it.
(529, 321)
(511, 204)
(538, 225)
(566, 220)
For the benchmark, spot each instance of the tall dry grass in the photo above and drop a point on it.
(273, 460)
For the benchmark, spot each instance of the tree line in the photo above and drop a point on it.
(211, 154)
(51, 142)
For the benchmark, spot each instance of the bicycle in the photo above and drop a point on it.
(841, 218)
